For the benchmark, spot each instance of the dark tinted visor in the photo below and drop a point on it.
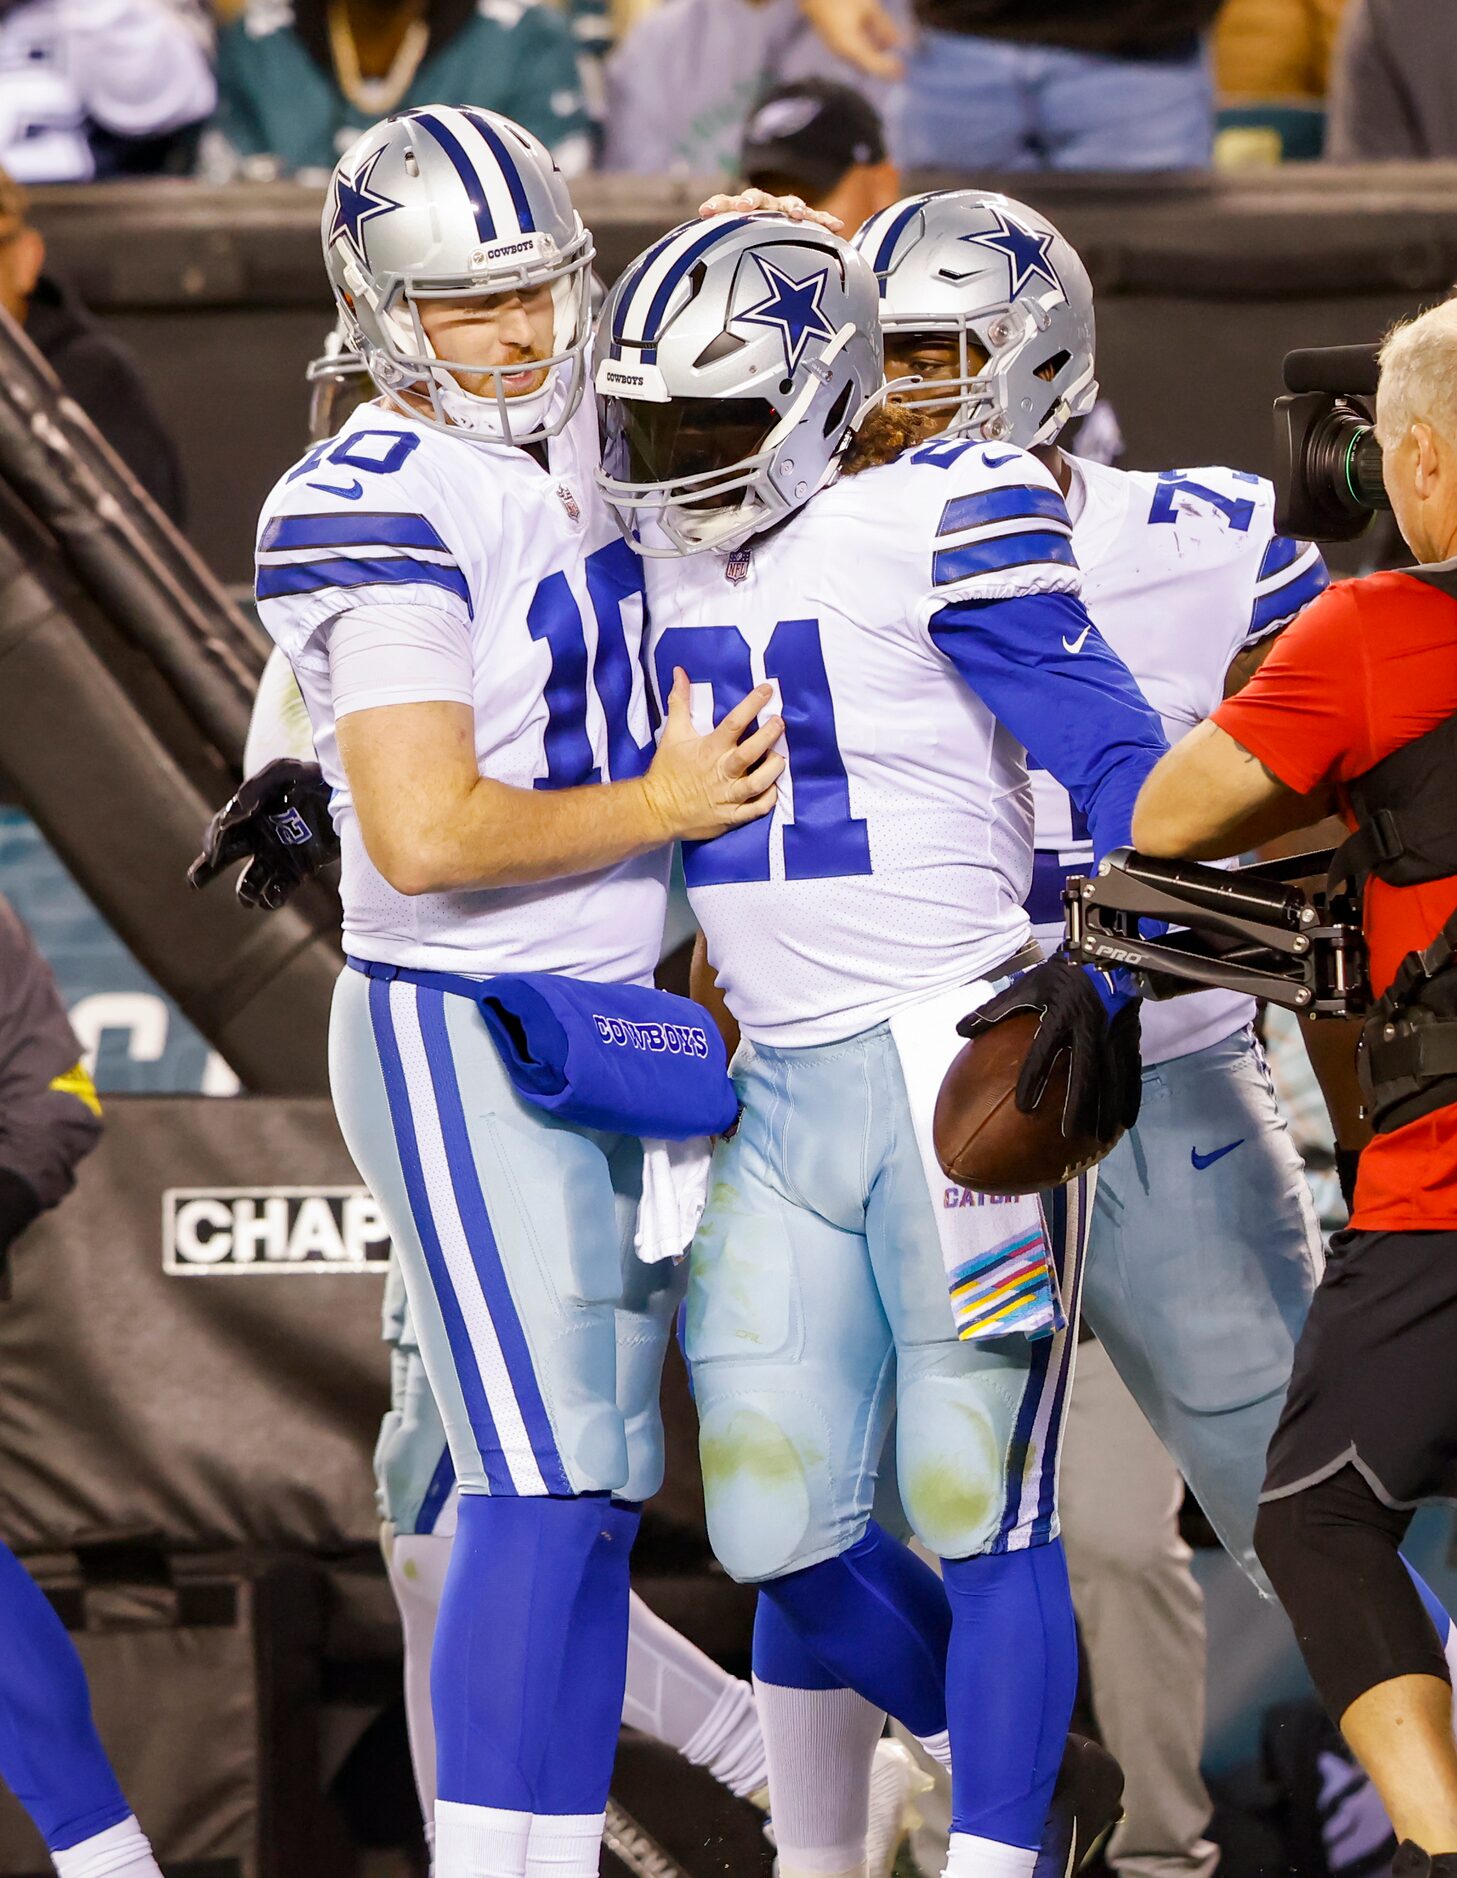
(691, 436)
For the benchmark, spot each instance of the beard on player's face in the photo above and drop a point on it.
(502, 335)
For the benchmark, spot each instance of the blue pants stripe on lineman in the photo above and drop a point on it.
(462, 1253)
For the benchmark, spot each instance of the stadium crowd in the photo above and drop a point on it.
(270, 88)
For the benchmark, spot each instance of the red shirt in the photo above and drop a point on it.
(1367, 668)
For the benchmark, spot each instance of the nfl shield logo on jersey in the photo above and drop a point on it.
(736, 567)
(569, 502)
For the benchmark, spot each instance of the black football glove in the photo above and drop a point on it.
(278, 823)
(1104, 1076)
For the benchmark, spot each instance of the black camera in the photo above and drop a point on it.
(1327, 460)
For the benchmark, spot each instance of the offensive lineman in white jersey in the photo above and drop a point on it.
(464, 622)
(915, 653)
(1204, 1250)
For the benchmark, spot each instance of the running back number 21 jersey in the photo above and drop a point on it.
(898, 857)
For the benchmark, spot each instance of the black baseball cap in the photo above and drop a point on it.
(809, 134)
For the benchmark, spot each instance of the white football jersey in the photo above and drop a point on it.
(899, 855)
(394, 514)
(1180, 571)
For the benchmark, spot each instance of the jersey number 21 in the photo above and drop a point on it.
(824, 841)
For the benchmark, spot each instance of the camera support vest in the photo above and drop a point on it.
(1406, 834)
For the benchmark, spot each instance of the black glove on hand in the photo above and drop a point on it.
(1104, 1077)
(1123, 1072)
(279, 823)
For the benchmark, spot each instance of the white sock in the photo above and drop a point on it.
(820, 1745)
(730, 1744)
(122, 1851)
(417, 1566)
(565, 1845)
(970, 1857)
(896, 1779)
(480, 1841)
(682, 1698)
(937, 1746)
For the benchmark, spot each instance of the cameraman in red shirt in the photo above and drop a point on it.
(1369, 1429)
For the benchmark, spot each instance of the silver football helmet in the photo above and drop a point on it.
(732, 361)
(999, 279)
(441, 204)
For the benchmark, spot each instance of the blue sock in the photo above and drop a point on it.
(530, 1654)
(50, 1755)
(877, 1619)
(1011, 1678)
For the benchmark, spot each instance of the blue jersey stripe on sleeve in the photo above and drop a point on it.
(1279, 555)
(1002, 505)
(275, 583)
(1271, 609)
(999, 555)
(349, 530)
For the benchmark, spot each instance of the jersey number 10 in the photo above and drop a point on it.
(824, 841)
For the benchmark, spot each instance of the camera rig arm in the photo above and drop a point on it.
(1252, 929)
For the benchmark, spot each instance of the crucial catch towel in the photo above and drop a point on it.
(998, 1263)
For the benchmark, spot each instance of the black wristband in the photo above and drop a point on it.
(1347, 1161)
(19, 1205)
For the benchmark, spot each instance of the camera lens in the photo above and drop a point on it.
(1363, 470)
(1343, 460)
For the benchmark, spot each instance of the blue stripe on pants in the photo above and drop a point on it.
(467, 1370)
(485, 1253)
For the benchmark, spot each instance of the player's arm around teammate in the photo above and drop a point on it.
(464, 622)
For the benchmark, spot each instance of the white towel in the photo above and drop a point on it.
(999, 1269)
(674, 1194)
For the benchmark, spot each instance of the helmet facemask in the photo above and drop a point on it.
(681, 463)
(979, 398)
(401, 359)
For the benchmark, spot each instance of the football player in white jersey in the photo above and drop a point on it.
(915, 650)
(463, 620)
(1204, 1249)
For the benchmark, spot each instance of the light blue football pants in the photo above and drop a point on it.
(1202, 1261)
(541, 1332)
(818, 1307)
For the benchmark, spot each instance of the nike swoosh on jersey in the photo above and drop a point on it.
(351, 493)
(996, 462)
(1201, 1161)
(1076, 645)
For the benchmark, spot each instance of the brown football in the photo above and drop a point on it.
(983, 1140)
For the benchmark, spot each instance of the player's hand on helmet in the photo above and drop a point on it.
(749, 201)
(699, 786)
(278, 823)
(1104, 1076)
(861, 31)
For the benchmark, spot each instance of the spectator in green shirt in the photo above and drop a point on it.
(299, 80)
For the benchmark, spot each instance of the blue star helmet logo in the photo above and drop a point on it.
(1025, 252)
(793, 309)
(355, 203)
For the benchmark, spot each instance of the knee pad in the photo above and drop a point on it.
(765, 1484)
(1331, 1551)
(951, 1465)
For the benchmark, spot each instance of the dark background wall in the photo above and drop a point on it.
(1202, 286)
